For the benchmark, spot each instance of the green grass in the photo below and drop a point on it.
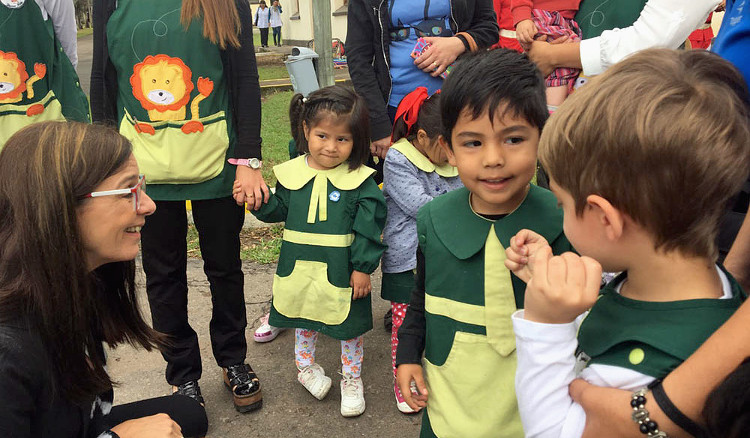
(274, 129)
(259, 245)
(264, 250)
(266, 72)
(85, 31)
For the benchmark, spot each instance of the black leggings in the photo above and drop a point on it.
(185, 411)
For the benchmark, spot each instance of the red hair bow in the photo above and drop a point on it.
(409, 107)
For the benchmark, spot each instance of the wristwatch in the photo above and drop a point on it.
(252, 163)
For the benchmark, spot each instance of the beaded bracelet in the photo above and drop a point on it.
(640, 415)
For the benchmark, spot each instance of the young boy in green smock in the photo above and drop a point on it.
(493, 109)
(642, 188)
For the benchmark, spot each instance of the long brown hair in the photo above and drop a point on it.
(46, 170)
(221, 21)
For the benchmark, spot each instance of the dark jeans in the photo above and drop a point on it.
(264, 36)
(276, 35)
(164, 246)
(183, 410)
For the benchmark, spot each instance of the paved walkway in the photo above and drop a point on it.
(288, 410)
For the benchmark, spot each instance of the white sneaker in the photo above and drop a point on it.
(401, 403)
(352, 396)
(266, 332)
(314, 379)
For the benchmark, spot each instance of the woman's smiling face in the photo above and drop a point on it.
(110, 225)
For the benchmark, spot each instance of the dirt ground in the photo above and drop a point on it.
(288, 409)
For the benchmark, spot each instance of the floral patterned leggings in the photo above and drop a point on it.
(351, 352)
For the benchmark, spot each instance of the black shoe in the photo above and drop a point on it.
(245, 387)
(190, 389)
(388, 320)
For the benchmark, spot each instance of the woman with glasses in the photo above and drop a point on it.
(72, 203)
(179, 80)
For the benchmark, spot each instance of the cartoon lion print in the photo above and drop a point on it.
(14, 81)
(162, 84)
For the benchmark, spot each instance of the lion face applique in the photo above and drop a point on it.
(14, 80)
(162, 84)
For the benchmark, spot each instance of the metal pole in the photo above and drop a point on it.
(323, 38)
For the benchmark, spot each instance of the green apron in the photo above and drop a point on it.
(470, 359)
(333, 222)
(644, 343)
(173, 102)
(37, 80)
(596, 16)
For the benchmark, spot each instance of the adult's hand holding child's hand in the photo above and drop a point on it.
(406, 375)
(561, 287)
(522, 245)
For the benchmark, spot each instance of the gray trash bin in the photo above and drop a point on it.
(301, 67)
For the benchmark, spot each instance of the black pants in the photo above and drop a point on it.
(183, 410)
(277, 36)
(164, 246)
(264, 36)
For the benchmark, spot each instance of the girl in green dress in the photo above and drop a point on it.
(334, 214)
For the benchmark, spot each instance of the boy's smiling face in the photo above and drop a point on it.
(495, 160)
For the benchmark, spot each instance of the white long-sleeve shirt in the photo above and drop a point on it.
(63, 15)
(546, 366)
(662, 23)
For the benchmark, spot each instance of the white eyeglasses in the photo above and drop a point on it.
(136, 190)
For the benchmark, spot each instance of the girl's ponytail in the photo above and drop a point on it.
(417, 110)
(295, 117)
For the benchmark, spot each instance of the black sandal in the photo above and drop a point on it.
(245, 387)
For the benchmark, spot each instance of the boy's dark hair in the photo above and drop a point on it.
(664, 136)
(485, 81)
(429, 120)
(337, 102)
(727, 409)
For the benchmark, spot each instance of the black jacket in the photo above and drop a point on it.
(29, 391)
(368, 40)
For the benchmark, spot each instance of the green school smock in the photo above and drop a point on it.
(333, 223)
(596, 16)
(469, 358)
(37, 80)
(172, 100)
(652, 338)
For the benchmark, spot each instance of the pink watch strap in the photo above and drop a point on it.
(239, 161)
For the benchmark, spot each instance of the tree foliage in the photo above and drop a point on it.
(83, 13)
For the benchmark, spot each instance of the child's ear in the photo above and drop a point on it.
(448, 151)
(612, 219)
(305, 130)
(422, 138)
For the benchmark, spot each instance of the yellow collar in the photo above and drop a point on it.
(421, 162)
(294, 174)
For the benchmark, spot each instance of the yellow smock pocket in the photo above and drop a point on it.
(14, 117)
(473, 393)
(307, 293)
(178, 152)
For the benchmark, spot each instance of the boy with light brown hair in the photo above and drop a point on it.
(643, 161)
